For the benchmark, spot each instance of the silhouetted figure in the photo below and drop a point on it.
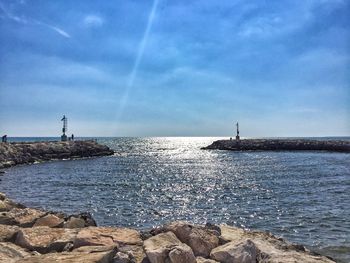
(72, 137)
(4, 138)
(237, 136)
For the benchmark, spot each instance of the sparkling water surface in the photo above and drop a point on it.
(301, 196)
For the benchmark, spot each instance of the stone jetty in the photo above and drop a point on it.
(280, 145)
(30, 152)
(29, 235)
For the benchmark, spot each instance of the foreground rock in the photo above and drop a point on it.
(11, 253)
(32, 235)
(280, 145)
(30, 152)
(71, 257)
(202, 240)
(107, 236)
(45, 239)
(166, 247)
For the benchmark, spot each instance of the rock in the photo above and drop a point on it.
(79, 221)
(107, 236)
(44, 239)
(74, 222)
(182, 253)
(205, 260)
(166, 247)
(72, 257)
(245, 252)
(2, 196)
(8, 233)
(272, 249)
(136, 253)
(49, 220)
(202, 240)
(11, 253)
(21, 217)
(121, 257)
(93, 249)
(230, 233)
(7, 205)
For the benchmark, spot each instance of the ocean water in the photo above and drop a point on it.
(301, 196)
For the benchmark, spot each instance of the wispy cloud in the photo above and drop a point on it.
(28, 21)
(93, 21)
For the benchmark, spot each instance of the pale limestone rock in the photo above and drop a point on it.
(200, 239)
(245, 252)
(72, 257)
(107, 236)
(182, 253)
(11, 253)
(8, 233)
(49, 220)
(166, 247)
(21, 217)
(272, 249)
(44, 239)
(205, 260)
(93, 249)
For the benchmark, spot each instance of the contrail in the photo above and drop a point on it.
(138, 59)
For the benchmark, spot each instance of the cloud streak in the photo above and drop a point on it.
(26, 21)
(139, 56)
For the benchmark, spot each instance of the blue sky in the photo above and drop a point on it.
(175, 67)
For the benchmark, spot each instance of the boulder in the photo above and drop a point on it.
(44, 239)
(121, 257)
(205, 260)
(245, 252)
(74, 222)
(80, 220)
(8, 233)
(182, 253)
(49, 220)
(7, 205)
(21, 217)
(273, 249)
(11, 253)
(136, 253)
(72, 257)
(2, 196)
(201, 239)
(166, 247)
(107, 236)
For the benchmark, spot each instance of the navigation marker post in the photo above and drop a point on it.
(64, 129)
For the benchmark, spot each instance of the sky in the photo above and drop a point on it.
(175, 67)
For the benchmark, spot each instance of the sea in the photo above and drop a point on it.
(303, 197)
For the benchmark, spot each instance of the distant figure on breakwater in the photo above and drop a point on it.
(4, 138)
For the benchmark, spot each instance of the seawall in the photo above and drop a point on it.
(29, 152)
(37, 236)
(280, 145)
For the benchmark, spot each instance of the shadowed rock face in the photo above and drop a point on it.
(280, 145)
(30, 152)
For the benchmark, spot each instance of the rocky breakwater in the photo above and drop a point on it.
(31, 235)
(30, 152)
(280, 145)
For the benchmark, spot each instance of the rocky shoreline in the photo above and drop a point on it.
(29, 235)
(280, 145)
(30, 152)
